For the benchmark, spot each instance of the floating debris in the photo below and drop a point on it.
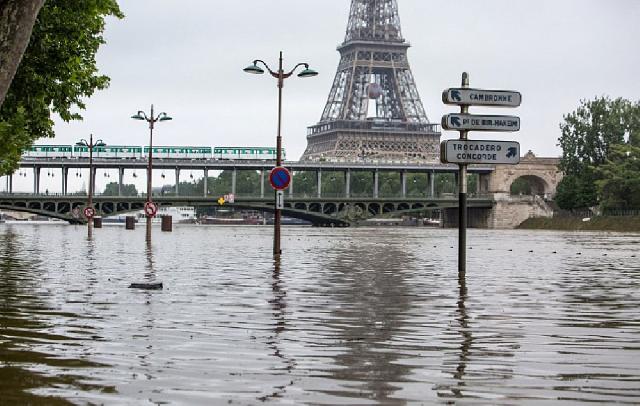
(148, 286)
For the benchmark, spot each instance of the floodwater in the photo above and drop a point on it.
(361, 316)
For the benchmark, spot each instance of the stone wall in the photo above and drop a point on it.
(510, 212)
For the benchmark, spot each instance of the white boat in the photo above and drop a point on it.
(180, 215)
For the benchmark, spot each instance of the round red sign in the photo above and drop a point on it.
(280, 178)
(150, 209)
(89, 212)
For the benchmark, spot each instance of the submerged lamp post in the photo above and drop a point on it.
(280, 75)
(90, 145)
(151, 119)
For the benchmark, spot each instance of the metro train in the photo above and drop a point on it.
(159, 152)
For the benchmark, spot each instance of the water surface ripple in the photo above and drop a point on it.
(368, 316)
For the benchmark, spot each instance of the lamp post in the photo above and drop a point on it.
(90, 145)
(152, 120)
(280, 75)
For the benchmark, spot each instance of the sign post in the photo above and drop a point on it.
(280, 178)
(464, 151)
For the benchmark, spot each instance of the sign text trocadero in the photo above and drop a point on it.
(480, 152)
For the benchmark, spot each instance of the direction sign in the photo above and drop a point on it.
(89, 212)
(280, 199)
(150, 209)
(480, 97)
(480, 152)
(471, 122)
(280, 178)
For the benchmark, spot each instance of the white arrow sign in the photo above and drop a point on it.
(279, 199)
(470, 122)
(480, 152)
(480, 97)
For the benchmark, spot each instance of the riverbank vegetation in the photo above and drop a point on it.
(601, 156)
(600, 223)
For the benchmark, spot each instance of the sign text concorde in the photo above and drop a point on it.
(480, 97)
(480, 152)
(470, 122)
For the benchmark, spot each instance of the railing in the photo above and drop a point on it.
(248, 196)
(381, 125)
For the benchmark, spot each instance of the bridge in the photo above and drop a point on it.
(319, 211)
(325, 193)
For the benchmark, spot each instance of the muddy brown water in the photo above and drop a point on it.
(362, 316)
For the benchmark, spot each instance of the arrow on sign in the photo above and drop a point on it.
(456, 121)
(455, 95)
(511, 152)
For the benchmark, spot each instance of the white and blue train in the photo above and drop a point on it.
(159, 152)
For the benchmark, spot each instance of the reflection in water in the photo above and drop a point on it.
(371, 300)
(278, 305)
(466, 339)
(26, 325)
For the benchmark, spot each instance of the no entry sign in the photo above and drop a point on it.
(280, 178)
(89, 212)
(150, 209)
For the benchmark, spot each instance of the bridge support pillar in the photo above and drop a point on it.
(120, 180)
(177, 181)
(205, 180)
(403, 182)
(262, 183)
(65, 180)
(347, 183)
(234, 177)
(36, 180)
(376, 178)
(319, 178)
(291, 185)
(432, 184)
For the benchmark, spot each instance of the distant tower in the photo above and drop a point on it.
(374, 111)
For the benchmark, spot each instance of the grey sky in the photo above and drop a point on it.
(187, 56)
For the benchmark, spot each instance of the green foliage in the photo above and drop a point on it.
(127, 190)
(57, 72)
(589, 134)
(619, 183)
(575, 192)
(520, 186)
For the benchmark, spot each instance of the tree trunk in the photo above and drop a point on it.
(17, 18)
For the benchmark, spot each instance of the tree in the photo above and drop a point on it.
(588, 135)
(58, 70)
(619, 183)
(127, 190)
(17, 18)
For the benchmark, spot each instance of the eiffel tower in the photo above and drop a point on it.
(373, 112)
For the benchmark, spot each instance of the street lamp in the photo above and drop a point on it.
(151, 119)
(90, 145)
(281, 76)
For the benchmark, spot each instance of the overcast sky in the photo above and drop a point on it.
(187, 56)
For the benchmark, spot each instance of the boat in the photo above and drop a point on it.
(179, 215)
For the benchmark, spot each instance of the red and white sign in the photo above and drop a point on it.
(89, 212)
(230, 198)
(280, 178)
(150, 209)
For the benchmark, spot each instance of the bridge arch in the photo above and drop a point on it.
(542, 174)
(530, 185)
